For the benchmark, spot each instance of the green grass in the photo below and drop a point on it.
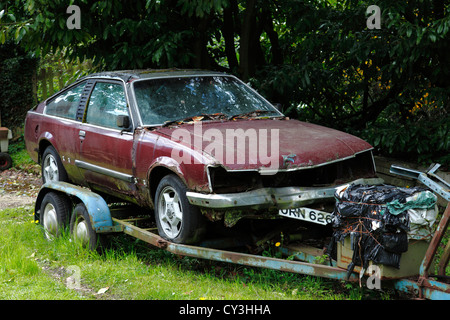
(21, 275)
(32, 267)
(20, 157)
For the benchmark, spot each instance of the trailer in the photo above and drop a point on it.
(91, 218)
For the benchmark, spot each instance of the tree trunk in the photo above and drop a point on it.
(228, 34)
(267, 24)
(247, 62)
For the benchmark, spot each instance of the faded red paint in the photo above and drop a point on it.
(312, 144)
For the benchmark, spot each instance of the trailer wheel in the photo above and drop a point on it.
(177, 220)
(81, 228)
(52, 167)
(54, 214)
(5, 161)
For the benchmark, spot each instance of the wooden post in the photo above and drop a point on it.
(51, 90)
(43, 84)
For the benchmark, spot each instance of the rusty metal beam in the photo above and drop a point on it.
(433, 290)
(443, 262)
(434, 243)
(236, 257)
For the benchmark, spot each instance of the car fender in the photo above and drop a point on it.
(166, 163)
(97, 208)
(48, 139)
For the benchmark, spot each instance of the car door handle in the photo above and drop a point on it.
(82, 133)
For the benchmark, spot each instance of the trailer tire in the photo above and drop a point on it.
(81, 228)
(54, 214)
(177, 220)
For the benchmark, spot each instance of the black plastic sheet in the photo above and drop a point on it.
(376, 235)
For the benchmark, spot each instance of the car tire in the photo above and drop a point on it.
(54, 214)
(52, 167)
(5, 161)
(177, 220)
(81, 228)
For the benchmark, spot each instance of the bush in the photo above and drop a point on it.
(17, 71)
(426, 140)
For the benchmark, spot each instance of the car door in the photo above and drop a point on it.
(63, 126)
(106, 148)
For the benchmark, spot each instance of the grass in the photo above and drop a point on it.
(35, 268)
(21, 275)
(20, 157)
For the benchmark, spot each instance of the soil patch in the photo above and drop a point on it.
(18, 188)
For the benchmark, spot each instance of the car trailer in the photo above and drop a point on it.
(92, 217)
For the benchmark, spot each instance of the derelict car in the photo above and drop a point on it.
(192, 145)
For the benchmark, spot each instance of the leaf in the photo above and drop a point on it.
(17, 33)
(433, 37)
(409, 32)
(102, 290)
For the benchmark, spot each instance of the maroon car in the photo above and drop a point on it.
(194, 146)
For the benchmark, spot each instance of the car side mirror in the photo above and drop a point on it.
(123, 121)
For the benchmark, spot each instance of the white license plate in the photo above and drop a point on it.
(306, 214)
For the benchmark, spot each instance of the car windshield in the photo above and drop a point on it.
(170, 99)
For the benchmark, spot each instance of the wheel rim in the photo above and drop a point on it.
(50, 172)
(170, 212)
(81, 232)
(50, 219)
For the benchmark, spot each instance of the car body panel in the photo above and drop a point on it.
(115, 155)
(308, 144)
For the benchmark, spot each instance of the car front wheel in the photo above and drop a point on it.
(177, 220)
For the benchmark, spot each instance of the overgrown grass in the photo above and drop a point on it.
(32, 267)
(21, 274)
(20, 157)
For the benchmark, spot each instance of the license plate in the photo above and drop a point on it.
(306, 214)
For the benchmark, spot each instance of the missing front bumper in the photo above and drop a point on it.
(279, 198)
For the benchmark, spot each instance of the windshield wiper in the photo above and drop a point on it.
(210, 116)
(253, 113)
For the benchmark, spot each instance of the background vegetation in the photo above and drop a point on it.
(315, 57)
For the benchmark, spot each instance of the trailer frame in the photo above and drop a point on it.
(426, 285)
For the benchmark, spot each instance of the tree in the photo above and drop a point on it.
(149, 33)
(316, 57)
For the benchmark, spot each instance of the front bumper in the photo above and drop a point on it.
(279, 198)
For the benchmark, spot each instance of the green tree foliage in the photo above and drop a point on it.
(17, 70)
(317, 58)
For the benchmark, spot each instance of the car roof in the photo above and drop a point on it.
(131, 75)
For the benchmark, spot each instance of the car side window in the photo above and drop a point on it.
(107, 101)
(65, 105)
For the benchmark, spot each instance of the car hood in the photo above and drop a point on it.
(271, 144)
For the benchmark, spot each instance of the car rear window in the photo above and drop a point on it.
(65, 104)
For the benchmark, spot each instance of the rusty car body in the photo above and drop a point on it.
(192, 145)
